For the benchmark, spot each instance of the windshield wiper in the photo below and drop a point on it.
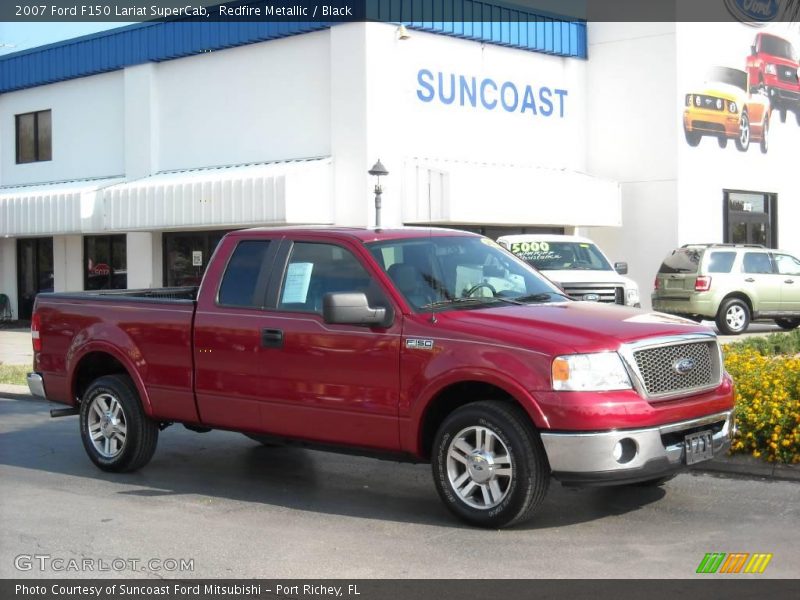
(472, 301)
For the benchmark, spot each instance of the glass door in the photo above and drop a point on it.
(34, 272)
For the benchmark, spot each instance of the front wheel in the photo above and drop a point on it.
(733, 317)
(489, 465)
(743, 139)
(692, 137)
(116, 433)
(787, 323)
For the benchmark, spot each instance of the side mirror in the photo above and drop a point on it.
(352, 308)
(621, 268)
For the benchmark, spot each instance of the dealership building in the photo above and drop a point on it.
(126, 155)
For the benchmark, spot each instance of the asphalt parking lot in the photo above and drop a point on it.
(239, 510)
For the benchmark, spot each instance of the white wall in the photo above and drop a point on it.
(261, 102)
(87, 125)
(631, 85)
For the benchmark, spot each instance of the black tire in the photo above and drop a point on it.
(264, 440)
(743, 139)
(692, 137)
(782, 113)
(764, 145)
(140, 436)
(733, 316)
(515, 439)
(797, 116)
(788, 324)
(722, 141)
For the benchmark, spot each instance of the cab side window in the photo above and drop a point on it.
(245, 281)
(757, 263)
(316, 269)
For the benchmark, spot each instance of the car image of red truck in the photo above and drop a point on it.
(773, 64)
(423, 345)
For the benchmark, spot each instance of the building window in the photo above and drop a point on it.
(106, 260)
(34, 137)
(186, 256)
(750, 218)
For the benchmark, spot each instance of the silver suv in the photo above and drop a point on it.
(732, 284)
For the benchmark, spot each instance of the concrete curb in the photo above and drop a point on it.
(738, 465)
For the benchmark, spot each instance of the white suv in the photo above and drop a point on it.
(577, 265)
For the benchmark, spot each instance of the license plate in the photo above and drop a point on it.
(698, 447)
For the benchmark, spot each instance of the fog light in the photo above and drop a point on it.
(624, 451)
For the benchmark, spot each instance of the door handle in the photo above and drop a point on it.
(749, 280)
(271, 338)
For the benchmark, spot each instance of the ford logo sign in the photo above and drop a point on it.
(591, 298)
(754, 12)
(683, 366)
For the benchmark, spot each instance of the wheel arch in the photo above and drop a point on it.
(454, 395)
(99, 360)
(740, 296)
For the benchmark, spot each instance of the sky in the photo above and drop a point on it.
(22, 36)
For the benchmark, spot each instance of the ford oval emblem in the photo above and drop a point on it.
(591, 298)
(683, 366)
(753, 12)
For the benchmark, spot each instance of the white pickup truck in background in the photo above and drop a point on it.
(577, 265)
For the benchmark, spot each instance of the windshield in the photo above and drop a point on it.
(733, 77)
(561, 256)
(439, 273)
(777, 47)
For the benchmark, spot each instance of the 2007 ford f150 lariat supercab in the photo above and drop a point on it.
(426, 345)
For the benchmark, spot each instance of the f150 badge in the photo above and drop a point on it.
(419, 344)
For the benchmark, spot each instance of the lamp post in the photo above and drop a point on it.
(378, 170)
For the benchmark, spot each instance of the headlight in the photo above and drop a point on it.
(688, 99)
(719, 104)
(697, 101)
(632, 296)
(771, 69)
(601, 371)
(732, 107)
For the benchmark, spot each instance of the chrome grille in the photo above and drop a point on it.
(658, 367)
(787, 74)
(612, 294)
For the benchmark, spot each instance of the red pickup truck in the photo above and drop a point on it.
(773, 64)
(416, 344)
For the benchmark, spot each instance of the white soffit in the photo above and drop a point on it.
(296, 191)
(459, 192)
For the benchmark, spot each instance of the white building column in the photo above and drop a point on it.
(68, 263)
(8, 272)
(140, 260)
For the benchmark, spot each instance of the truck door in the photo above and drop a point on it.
(335, 384)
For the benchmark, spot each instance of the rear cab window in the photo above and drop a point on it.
(244, 283)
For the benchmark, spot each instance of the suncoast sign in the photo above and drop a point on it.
(489, 94)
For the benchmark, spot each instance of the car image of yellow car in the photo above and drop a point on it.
(727, 107)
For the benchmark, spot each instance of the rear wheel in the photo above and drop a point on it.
(489, 465)
(116, 433)
(733, 317)
(764, 145)
(787, 323)
(722, 141)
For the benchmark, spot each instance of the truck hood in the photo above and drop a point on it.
(566, 327)
(582, 276)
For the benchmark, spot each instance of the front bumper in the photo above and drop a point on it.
(587, 458)
(783, 98)
(36, 385)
